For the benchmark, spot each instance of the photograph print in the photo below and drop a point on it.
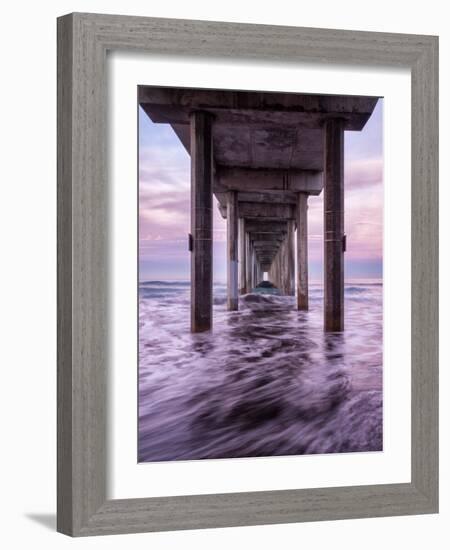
(260, 310)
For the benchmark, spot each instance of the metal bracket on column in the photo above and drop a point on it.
(190, 242)
(344, 243)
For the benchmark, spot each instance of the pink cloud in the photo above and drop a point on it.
(363, 173)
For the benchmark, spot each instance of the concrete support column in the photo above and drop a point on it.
(242, 256)
(282, 265)
(285, 266)
(302, 251)
(258, 273)
(275, 271)
(334, 225)
(279, 268)
(252, 268)
(286, 261)
(249, 263)
(290, 259)
(270, 274)
(201, 221)
(232, 251)
(275, 275)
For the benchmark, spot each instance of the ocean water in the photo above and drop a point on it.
(266, 381)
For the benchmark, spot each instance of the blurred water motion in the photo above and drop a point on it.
(266, 381)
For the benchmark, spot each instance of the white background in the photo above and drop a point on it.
(28, 300)
(130, 480)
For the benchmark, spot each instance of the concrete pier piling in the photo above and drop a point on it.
(334, 226)
(201, 221)
(242, 256)
(248, 264)
(302, 252)
(271, 152)
(232, 252)
(289, 261)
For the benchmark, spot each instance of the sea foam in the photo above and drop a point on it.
(266, 381)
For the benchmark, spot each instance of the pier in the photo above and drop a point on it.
(262, 154)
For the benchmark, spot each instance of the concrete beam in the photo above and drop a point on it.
(248, 180)
(269, 245)
(268, 254)
(264, 226)
(266, 247)
(275, 237)
(201, 221)
(269, 197)
(265, 260)
(251, 210)
(174, 105)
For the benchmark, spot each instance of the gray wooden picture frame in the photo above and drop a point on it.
(83, 41)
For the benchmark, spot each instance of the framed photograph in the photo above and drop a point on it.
(247, 274)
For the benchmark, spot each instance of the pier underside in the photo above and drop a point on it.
(262, 154)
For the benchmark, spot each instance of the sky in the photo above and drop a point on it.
(164, 206)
